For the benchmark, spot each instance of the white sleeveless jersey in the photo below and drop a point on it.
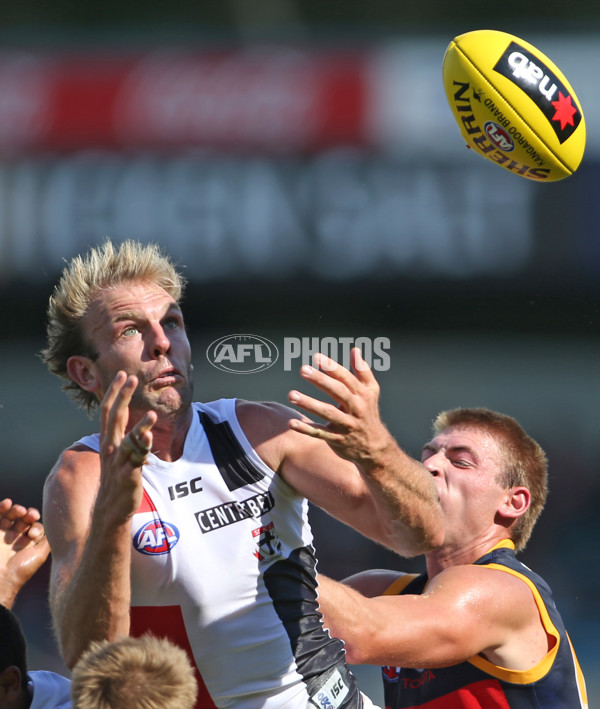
(224, 566)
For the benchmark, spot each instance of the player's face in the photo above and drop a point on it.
(138, 328)
(466, 465)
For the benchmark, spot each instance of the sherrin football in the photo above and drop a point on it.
(513, 105)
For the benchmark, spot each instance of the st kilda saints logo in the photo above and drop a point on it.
(268, 544)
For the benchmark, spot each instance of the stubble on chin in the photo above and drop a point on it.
(169, 402)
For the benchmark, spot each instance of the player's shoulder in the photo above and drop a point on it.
(266, 426)
(73, 464)
(263, 414)
(77, 455)
(69, 492)
(481, 580)
(261, 407)
(376, 582)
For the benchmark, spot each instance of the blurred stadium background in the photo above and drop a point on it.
(300, 159)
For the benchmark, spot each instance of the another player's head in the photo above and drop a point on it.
(13, 658)
(522, 462)
(134, 673)
(102, 267)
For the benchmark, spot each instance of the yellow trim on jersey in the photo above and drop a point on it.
(543, 667)
(579, 678)
(515, 676)
(399, 584)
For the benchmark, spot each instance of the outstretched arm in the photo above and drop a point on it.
(402, 496)
(89, 501)
(23, 548)
(465, 611)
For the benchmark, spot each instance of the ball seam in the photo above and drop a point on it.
(529, 126)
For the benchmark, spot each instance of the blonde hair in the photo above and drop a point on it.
(134, 673)
(101, 267)
(524, 461)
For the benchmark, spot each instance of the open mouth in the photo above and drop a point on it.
(167, 378)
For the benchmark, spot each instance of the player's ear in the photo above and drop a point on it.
(517, 502)
(82, 370)
(10, 685)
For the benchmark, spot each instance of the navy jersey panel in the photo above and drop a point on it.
(468, 686)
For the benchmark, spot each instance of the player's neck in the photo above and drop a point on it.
(169, 434)
(460, 553)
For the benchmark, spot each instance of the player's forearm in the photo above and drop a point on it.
(404, 494)
(95, 603)
(402, 631)
(342, 615)
(8, 592)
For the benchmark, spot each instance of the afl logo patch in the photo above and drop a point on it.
(156, 537)
(498, 136)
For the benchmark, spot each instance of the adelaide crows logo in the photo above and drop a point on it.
(156, 537)
(391, 674)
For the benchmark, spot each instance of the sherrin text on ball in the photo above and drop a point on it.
(513, 105)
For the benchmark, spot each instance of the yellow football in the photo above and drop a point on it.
(513, 105)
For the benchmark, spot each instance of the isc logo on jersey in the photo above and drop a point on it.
(156, 537)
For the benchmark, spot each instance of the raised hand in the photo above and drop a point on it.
(354, 428)
(121, 455)
(23, 548)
